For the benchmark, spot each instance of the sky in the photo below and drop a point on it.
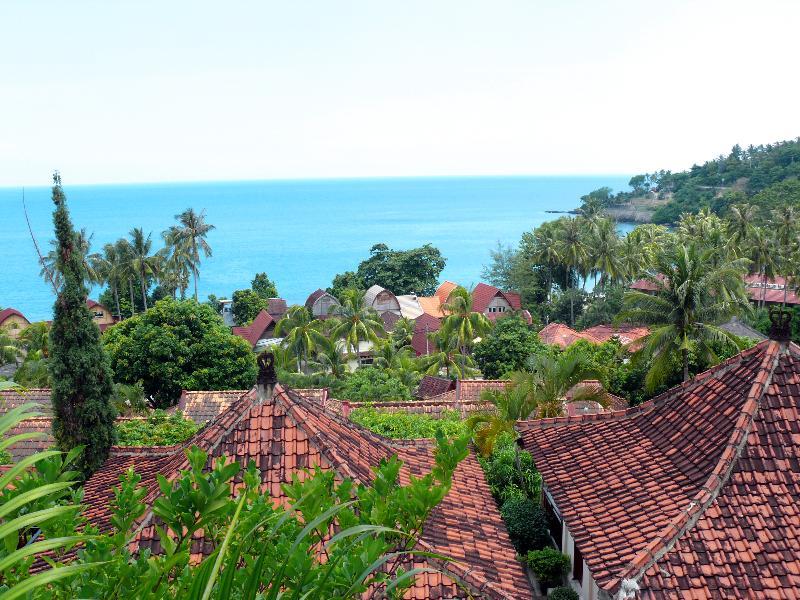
(146, 91)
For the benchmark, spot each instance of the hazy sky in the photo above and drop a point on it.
(170, 90)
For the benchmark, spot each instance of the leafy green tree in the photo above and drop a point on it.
(371, 384)
(506, 347)
(402, 271)
(301, 333)
(179, 345)
(264, 286)
(10, 351)
(693, 298)
(191, 233)
(158, 429)
(343, 283)
(82, 383)
(500, 272)
(446, 356)
(246, 306)
(402, 333)
(602, 306)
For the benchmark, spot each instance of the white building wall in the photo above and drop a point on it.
(589, 589)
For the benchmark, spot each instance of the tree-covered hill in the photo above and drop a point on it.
(765, 175)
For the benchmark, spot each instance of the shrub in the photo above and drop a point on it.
(403, 425)
(502, 475)
(369, 383)
(246, 306)
(526, 524)
(549, 565)
(563, 593)
(506, 347)
(159, 429)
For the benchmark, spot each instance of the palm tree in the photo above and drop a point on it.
(572, 250)
(633, 259)
(606, 254)
(192, 231)
(693, 296)
(176, 262)
(329, 358)
(403, 332)
(549, 379)
(740, 224)
(9, 349)
(357, 323)
(108, 267)
(784, 224)
(398, 362)
(511, 404)
(126, 272)
(84, 245)
(764, 256)
(463, 322)
(142, 262)
(545, 251)
(301, 333)
(447, 357)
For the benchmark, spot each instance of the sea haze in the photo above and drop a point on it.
(300, 232)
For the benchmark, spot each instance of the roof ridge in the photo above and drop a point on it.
(652, 403)
(708, 492)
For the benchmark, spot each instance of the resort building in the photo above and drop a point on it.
(564, 336)
(382, 300)
(100, 314)
(321, 304)
(259, 331)
(486, 299)
(12, 321)
(286, 433)
(693, 494)
(772, 292)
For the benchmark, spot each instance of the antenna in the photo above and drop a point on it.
(36, 245)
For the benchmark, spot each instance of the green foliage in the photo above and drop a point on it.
(258, 549)
(510, 472)
(369, 383)
(401, 271)
(506, 347)
(566, 305)
(602, 306)
(526, 524)
(264, 286)
(549, 565)
(158, 429)
(408, 426)
(179, 345)
(246, 306)
(80, 372)
(563, 593)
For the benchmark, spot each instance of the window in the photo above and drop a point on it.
(577, 565)
(554, 522)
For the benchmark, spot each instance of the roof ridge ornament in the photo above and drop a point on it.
(780, 328)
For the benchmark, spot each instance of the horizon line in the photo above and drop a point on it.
(317, 179)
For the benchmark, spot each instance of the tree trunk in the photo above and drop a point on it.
(685, 354)
(115, 289)
(549, 282)
(194, 270)
(764, 290)
(144, 290)
(571, 299)
(130, 289)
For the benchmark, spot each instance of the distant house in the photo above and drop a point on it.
(382, 300)
(564, 336)
(424, 325)
(12, 321)
(262, 328)
(276, 309)
(487, 299)
(321, 304)
(772, 293)
(226, 312)
(410, 307)
(100, 314)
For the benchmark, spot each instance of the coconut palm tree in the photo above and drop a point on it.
(549, 378)
(126, 272)
(83, 243)
(462, 321)
(10, 351)
(764, 254)
(740, 225)
(108, 267)
(402, 332)
(543, 243)
(606, 252)
(329, 358)
(301, 333)
(511, 404)
(192, 231)
(633, 257)
(573, 252)
(447, 357)
(141, 261)
(694, 295)
(357, 323)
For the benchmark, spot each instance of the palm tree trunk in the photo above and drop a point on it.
(194, 271)
(144, 292)
(764, 289)
(116, 298)
(130, 289)
(549, 282)
(685, 354)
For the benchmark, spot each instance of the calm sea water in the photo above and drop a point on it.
(300, 232)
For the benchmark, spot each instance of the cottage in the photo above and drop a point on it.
(382, 300)
(100, 314)
(692, 494)
(259, 331)
(12, 321)
(775, 290)
(561, 335)
(287, 433)
(321, 304)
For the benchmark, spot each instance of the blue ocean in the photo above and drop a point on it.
(301, 232)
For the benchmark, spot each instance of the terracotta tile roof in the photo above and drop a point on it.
(95, 304)
(562, 335)
(613, 402)
(43, 426)
(289, 433)
(514, 300)
(645, 285)
(277, 308)
(257, 329)
(10, 312)
(423, 325)
(11, 399)
(444, 290)
(470, 390)
(627, 334)
(204, 406)
(431, 306)
(433, 386)
(482, 295)
(693, 492)
(754, 285)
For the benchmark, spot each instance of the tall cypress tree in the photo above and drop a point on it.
(79, 366)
